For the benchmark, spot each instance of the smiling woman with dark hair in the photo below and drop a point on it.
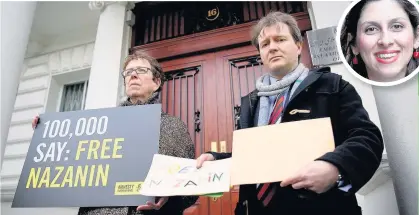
(380, 40)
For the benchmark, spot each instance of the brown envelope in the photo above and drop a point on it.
(274, 152)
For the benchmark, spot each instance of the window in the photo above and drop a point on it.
(74, 96)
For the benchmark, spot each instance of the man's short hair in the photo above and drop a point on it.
(273, 18)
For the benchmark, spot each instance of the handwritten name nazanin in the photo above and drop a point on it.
(192, 180)
(74, 176)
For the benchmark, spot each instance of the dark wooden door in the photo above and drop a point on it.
(236, 72)
(187, 94)
(195, 91)
(206, 76)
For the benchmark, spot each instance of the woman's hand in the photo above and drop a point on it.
(153, 206)
(35, 122)
(204, 157)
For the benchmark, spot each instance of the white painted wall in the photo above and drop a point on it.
(108, 54)
(125, 48)
(39, 91)
(59, 25)
(398, 110)
(62, 61)
(381, 201)
(377, 192)
(84, 35)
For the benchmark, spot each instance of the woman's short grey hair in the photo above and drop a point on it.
(274, 18)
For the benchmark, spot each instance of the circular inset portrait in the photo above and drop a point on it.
(379, 40)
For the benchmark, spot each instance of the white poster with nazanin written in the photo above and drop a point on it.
(172, 176)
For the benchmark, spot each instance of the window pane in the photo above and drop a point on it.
(72, 97)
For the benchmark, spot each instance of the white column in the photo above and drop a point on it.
(109, 51)
(16, 22)
(398, 109)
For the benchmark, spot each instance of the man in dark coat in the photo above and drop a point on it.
(291, 92)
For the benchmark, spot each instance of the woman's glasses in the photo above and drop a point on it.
(138, 70)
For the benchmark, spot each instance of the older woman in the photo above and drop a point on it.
(143, 79)
(380, 39)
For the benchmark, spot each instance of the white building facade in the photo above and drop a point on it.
(66, 50)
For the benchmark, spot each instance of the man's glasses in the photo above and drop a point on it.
(138, 70)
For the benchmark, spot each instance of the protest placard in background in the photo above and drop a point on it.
(172, 176)
(90, 158)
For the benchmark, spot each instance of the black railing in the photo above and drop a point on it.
(182, 97)
(243, 75)
(156, 21)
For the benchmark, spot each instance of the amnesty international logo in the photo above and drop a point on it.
(128, 188)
